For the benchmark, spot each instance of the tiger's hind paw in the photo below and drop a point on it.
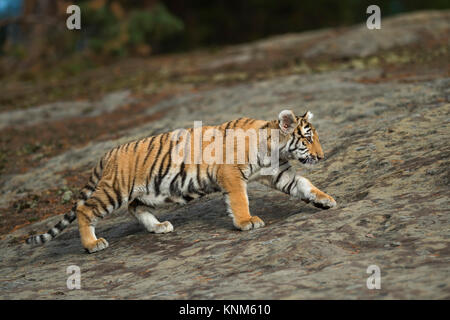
(98, 245)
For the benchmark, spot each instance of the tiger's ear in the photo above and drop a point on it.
(288, 121)
(308, 116)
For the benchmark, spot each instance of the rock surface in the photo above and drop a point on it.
(387, 164)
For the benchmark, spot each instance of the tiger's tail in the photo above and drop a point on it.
(70, 216)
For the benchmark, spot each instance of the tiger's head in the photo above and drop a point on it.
(302, 139)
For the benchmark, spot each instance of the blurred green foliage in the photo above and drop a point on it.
(107, 33)
(100, 26)
(153, 26)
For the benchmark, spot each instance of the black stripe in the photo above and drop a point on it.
(96, 174)
(242, 174)
(134, 204)
(161, 175)
(132, 188)
(226, 127)
(71, 216)
(97, 212)
(210, 177)
(136, 145)
(187, 198)
(236, 122)
(296, 144)
(172, 188)
(60, 226)
(258, 159)
(294, 187)
(147, 182)
(280, 174)
(114, 152)
(116, 172)
(288, 186)
(100, 202)
(169, 162)
(91, 179)
(110, 199)
(158, 153)
(198, 176)
(89, 187)
(94, 209)
(192, 189)
(283, 163)
(108, 154)
(183, 174)
(149, 150)
(166, 137)
(118, 197)
(83, 196)
(122, 178)
(89, 204)
(134, 175)
(265, 126)
(293, 143)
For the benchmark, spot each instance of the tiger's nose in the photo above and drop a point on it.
(320, 156)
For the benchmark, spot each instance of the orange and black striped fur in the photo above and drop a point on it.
(144, 174)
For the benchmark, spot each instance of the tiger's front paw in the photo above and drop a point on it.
(324, 202)
(163, 227)
(253, 223)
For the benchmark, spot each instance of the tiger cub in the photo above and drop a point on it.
(149, 172)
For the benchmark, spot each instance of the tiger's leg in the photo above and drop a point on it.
(237, 203)
(141, 212)
(87, 215)
(286, 180)
(307, 191)
(100, 203)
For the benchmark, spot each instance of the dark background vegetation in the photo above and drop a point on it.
(37, 35)
(223, 22)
